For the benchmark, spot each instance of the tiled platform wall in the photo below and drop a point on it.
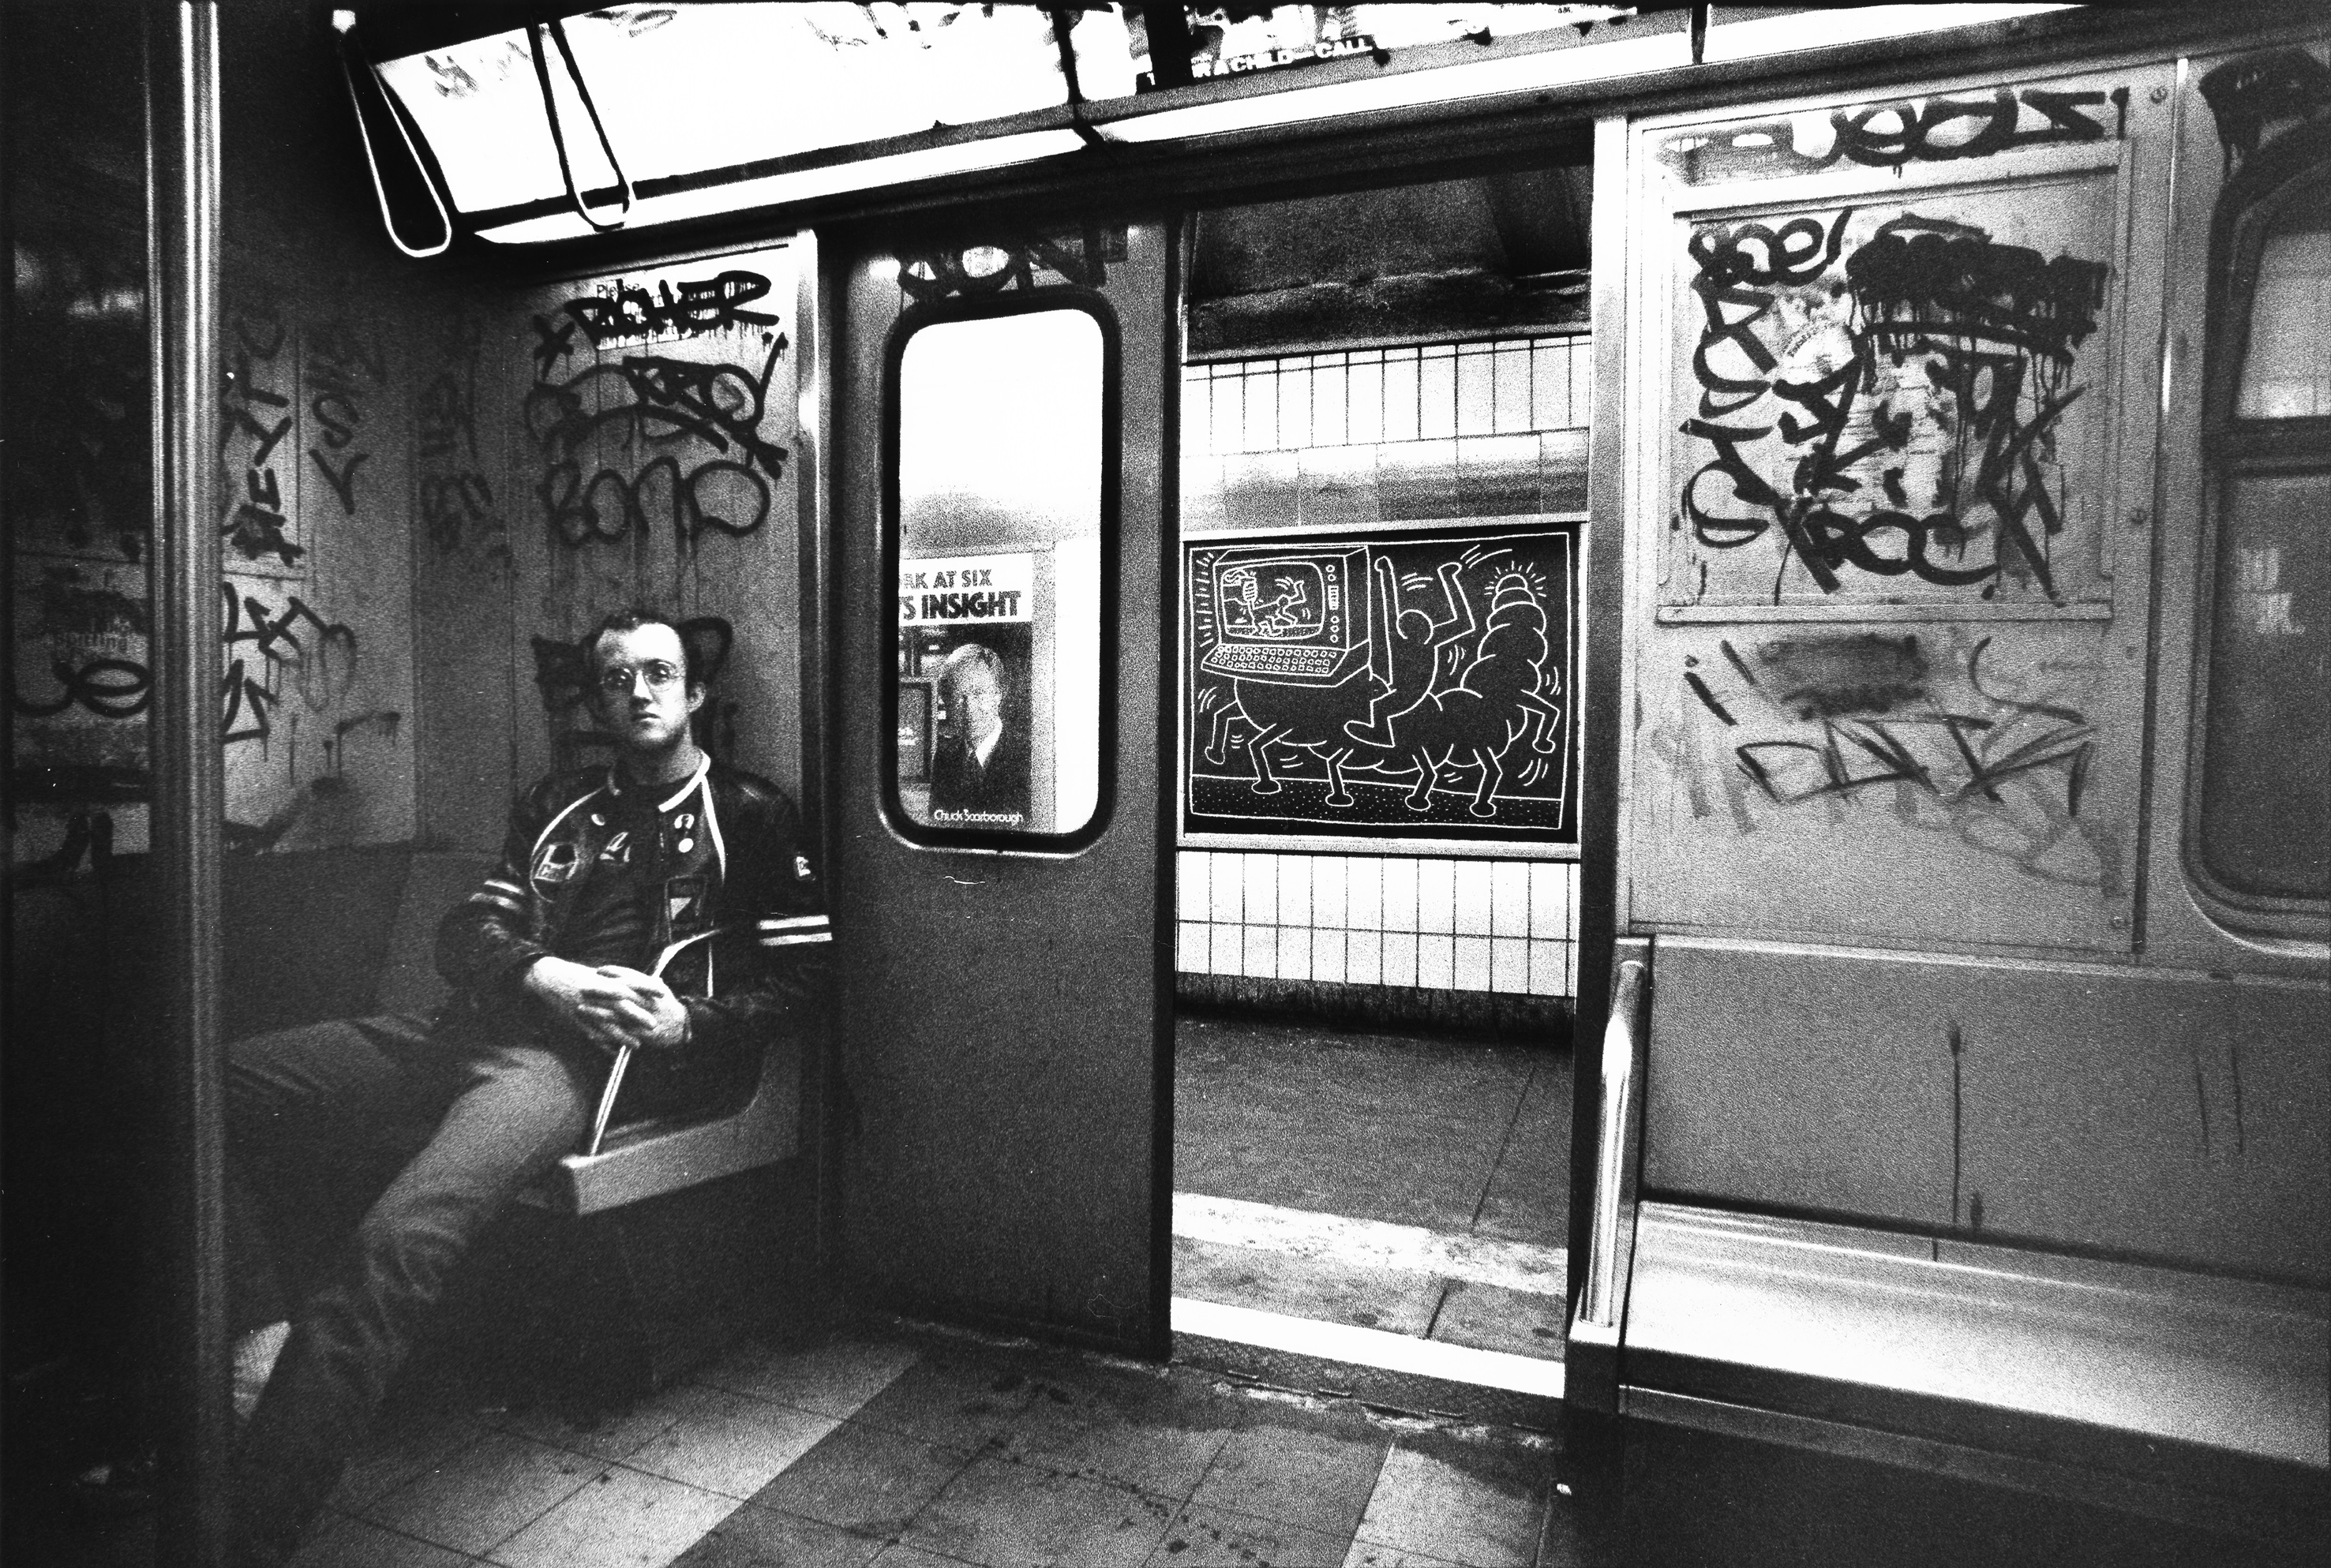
(1442, 431)
(1426, 922)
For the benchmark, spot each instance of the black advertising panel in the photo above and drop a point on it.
(1404, 684)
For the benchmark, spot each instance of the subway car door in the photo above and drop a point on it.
(1000, 424)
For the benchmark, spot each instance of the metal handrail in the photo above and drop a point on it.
(1619, 1055)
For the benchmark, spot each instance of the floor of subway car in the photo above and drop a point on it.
(1373, 1196)
(897, 1446)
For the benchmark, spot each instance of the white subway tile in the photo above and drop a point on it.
(1295, 409)
(1260, 432)
(1229, 948)
(1202, 506)
(1549, 899)
(1574, 932)
(1436, 396)
(1472, 897)
(1294, 953)
(1229, 411)
(1363, 957)
(1327, 955)
(1192, 947)
(1513, 390)
(1226, 886)
(1549, 968)
(1327, 904)
(1364, 400)
(1509, 898)
(1262, 890)
(1477, 390)
(1191, 901)
(1435, 963)
(1549, 385)
(1570, 968)
(1399, 894)
(1295, 889)
(1261, 952)
(1400, 394)
(1436, 899)
(1364, 892)
(1509, 964)
(1582, 382)
(1473, 964)
(1399, 958)
(1330, 425)
(1198, 413)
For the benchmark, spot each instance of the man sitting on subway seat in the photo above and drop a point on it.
(666, 902)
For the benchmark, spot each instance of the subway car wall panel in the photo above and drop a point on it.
(627, 438)
(2175, 1118)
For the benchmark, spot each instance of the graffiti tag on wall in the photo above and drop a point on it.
(1882, 401)
(641, 439)
(1936, 729)
(1947, 127)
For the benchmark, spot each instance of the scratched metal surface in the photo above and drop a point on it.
(2178, 1117)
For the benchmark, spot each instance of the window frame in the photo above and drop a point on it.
(1018, 841)
(2231, 448)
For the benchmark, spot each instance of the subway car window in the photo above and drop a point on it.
(998, 540)
(2263, 836)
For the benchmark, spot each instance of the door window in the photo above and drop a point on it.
(999, 474)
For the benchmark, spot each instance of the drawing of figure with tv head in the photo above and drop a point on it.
(1339, 658)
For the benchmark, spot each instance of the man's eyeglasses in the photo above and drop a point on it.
(616, 680)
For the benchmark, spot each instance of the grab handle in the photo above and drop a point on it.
(558, 32)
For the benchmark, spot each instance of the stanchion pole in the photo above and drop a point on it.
(181, 87)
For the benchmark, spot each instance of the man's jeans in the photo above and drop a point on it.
(365, 1159)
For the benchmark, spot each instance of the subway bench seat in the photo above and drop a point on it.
(316, 935)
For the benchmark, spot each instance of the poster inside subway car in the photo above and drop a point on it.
(1410, 683)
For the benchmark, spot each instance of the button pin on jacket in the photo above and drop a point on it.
(686, 845)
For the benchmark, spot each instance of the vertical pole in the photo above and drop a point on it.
(182, 83)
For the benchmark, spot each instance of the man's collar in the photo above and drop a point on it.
(617, 783)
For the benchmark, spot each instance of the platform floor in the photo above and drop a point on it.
(1406, 1183)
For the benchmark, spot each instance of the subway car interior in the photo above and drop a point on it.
(1795, 1029)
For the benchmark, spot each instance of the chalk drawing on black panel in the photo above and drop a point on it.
(1384, 686)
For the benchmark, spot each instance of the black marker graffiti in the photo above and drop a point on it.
(1993, 330)
(978, 271)
(109, 688)
(702, 305)
(319, 655)
(257, 527)
(1903, 131)
(456, 499)
(1870, 710)
(342, 363)
(658, 402)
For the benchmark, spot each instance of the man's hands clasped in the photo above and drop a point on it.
(611, 1005)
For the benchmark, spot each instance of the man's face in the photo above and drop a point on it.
(982, 700)
(643, 691)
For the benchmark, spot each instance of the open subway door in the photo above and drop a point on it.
(1000, 598)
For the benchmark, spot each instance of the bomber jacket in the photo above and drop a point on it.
(741, 923)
